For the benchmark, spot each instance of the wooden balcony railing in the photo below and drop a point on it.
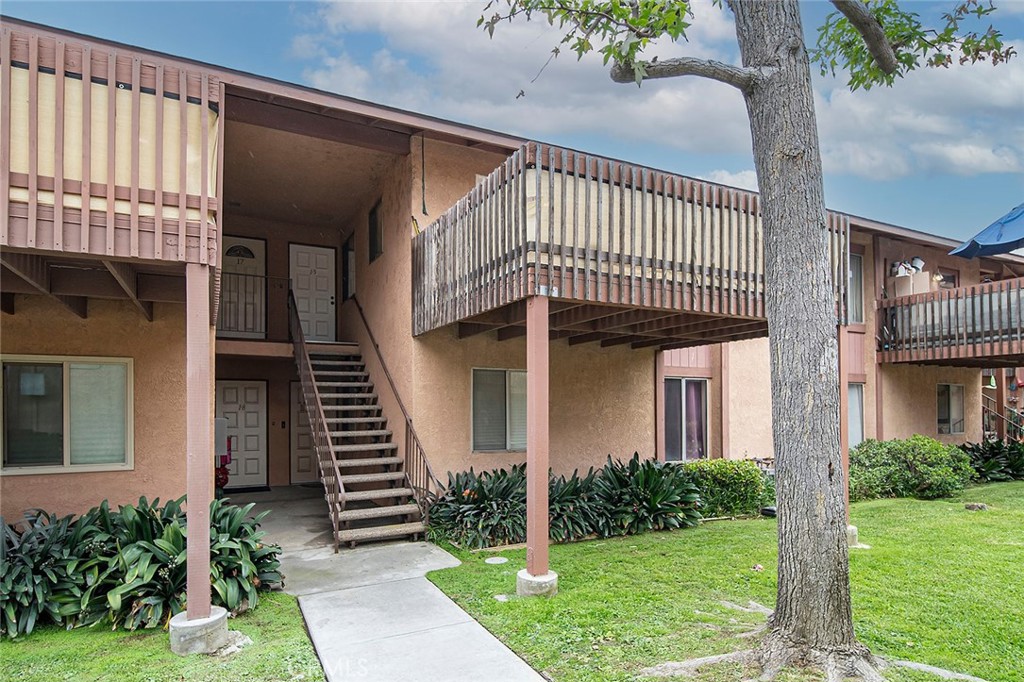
(574, 226)
(953, 325)
(107, 152)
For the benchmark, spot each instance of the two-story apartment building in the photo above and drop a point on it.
(372, 298)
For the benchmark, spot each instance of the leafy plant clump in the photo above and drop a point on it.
(639, 496)
(996, 460)
(126, 566)
(489, 508)
(728, 487)
(916, 467)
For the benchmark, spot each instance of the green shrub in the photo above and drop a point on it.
(487, 509)
(127, 566)
(916, 467)
(727, 487)
(480, 510)
(574, 507)
(996, 460)
(639, 496)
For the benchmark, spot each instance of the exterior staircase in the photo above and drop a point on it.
(374, 500)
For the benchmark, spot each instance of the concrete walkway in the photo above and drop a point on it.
(371, 613)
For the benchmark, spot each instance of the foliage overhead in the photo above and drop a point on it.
(621, 30)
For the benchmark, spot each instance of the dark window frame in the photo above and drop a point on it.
(375, 239)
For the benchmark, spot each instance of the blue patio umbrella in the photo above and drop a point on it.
(1002, 236)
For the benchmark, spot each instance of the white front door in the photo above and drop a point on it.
(312, 271)
(244, 405)
(304, 465)
(243, 298)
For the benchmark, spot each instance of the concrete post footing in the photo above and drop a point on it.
(852, 539)
(545, 585)
(199, 636)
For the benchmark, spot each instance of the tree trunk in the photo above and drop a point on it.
(812, 622)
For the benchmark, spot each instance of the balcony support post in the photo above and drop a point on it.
(199, 437)
(1000, 375)
(536, 578)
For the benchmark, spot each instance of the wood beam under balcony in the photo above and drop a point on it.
(7, 303)
(278, 117)
(757, 334)
(34, 271)
(127, 278)
(467, 329)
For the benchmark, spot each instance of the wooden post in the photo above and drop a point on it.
(537, 377)
(1000, 375)
(844, 415)
(199, 439)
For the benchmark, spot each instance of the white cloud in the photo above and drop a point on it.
(744, 179)
(429, 57)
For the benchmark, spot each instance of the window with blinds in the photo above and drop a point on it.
(66, 414)
(499, 409)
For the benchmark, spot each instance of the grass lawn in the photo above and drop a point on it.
(281, 650)
(940, 585)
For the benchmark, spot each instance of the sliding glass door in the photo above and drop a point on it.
(686, 419)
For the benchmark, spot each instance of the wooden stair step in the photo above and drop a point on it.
(355, 433)
(345, 384)
(331, 347)
(348, 396)
(364, 495)
(368, 462)
(381, 532)
(380, 512)
(335, 363)
(333, 373)
(355, 420)
(385, 477)
(351, 408)
(364, 447)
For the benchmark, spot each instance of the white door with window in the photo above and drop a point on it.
(686, 419)
(312, 271)
(243, 297)
(244, 405)
(304, 465)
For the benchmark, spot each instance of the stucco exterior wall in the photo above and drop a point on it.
(112, 329)
(602, 401)
(911, 404)
(749, 394)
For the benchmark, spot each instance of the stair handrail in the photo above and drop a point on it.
(418, 472)
(330, 474)
(1013, 428)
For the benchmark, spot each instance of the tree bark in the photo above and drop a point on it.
(812, 622)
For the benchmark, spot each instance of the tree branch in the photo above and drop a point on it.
(736, 76)
(871, 31)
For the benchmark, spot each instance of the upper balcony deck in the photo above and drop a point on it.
(633, 254)
(980, 326)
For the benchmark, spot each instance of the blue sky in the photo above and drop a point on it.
(942, 151)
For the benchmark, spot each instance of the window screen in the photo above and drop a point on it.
(489, 425)
(517, 410)
(855, 411)
(97, 394)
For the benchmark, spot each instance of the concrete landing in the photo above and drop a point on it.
(371, 613)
